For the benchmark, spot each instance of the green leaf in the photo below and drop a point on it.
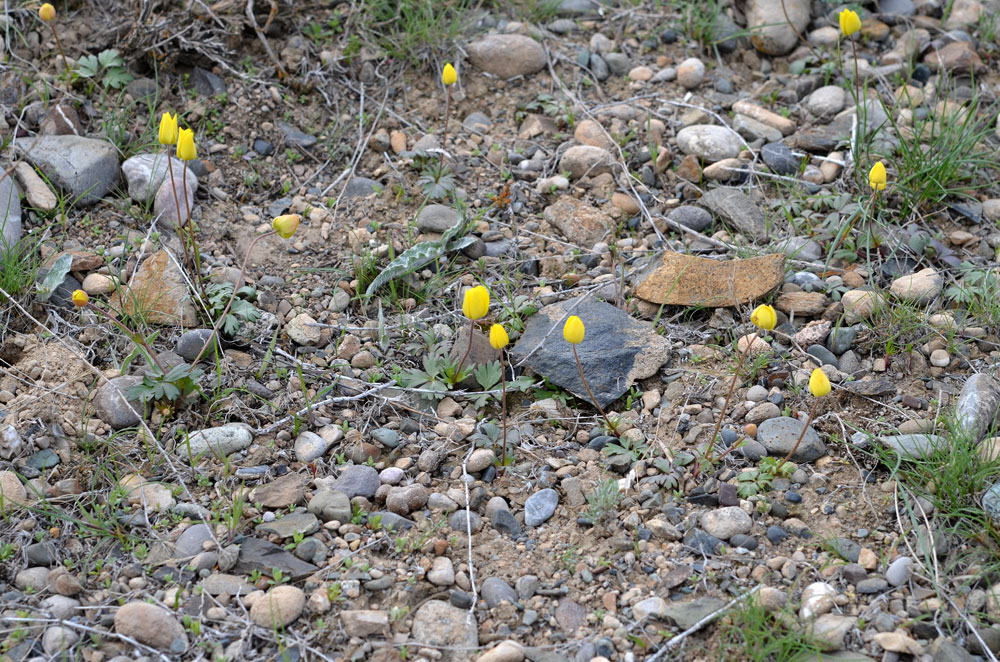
(417, 256)
(87, 66)
(110, 58)
(57, 273)
(117, 78)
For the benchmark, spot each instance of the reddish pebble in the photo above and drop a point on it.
(750, 430)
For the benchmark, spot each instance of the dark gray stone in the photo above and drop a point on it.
(825, 356)
(504, 522)
(540, 506)
(872, 585)
(846, 549)
(736, 209)
(896, 7)
(477, 122)
(853, 573)
(618, 64)
(296, 137)
(685, 614)
(83, 168)
(111, 405)
(290, 525)
(357, 480)
(43, 459)
(978, 404)
(617, 350)
(143, 90)
(10, 213)
(360, 187)
(776, 534)
(206, 83)
(190, 541)
(780, 159)
(190, 343)
(257, 554)
(41, 553)
(840, 339)
(437, 218)
(386, 437)
(578, 8)
(599, 67)
(744, 541)
(391, 521)
(778, 436)
(459, 521)
(802, 248)
(263, 147)
(689, 216)
(496, 590)
(701, 542)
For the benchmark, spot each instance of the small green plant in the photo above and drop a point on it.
(436, 179)
(757, 480)
(603, 501)
(109, 65)
(241, 312)
(750, 633)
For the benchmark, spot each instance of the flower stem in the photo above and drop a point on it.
(177, 203)
(447, 115)
(61, 51)
(812, 412)
(194, 242)
(232, 297)
(725, 406)
(503, 410)
(611, 427)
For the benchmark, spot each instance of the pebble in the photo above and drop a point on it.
(151, 625)
(778, 436)
(920, 288)
(723, 523)
(507, 56)
(442, 572)
(221, 441)
(690, 73)
(310, 446)
(496, 590)
(278, 607)
(898, 572)
(709, 142)
(540, 506)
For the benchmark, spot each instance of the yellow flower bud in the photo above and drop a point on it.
(286, 225)
(498, 337)
(186, 150)
(168, 129)
(573, 330)
(80, 298)
(476, 303)
(876, 176)
(849, 22)
(819, 384)
(449, 76)
(47, 12)
(764, 317)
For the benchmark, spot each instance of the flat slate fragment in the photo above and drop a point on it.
(686, 280)
(737, 210)
(257, 554)
(616, 350)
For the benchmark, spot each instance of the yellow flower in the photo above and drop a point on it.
(186, 150)
(476, 303)
(80, 298)
(573, 330)
(168, 129)
(849, 22)
(764, 317)
(286, 225)
(819, 385)
(47, 12)
(498, 337)
(449, 76)
(876, 176)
